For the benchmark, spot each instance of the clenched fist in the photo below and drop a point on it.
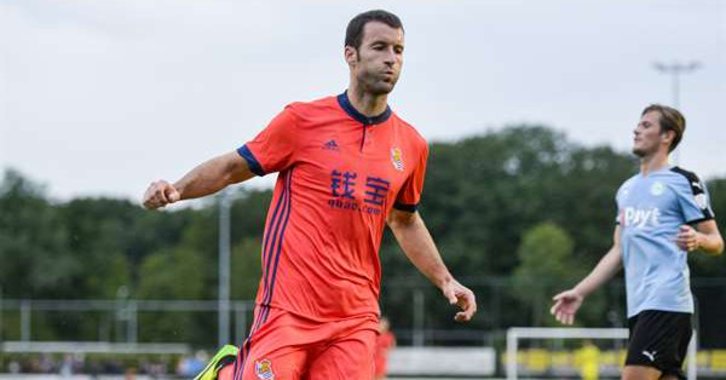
(687, 238)
(160, 194)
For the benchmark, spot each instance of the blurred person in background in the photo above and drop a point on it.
(587, 359)
(385, 342)
(191, 365)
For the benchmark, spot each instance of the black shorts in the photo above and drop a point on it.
(659, 339)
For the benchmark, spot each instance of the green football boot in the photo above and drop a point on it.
(226, 355)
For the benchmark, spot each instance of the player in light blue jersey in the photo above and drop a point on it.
(663, 213)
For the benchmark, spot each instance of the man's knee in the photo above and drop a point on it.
(636, 372)
(226, 373)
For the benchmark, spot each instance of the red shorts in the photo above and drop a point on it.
(285, 346)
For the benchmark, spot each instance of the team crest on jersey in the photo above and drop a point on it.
(263, 369)
(657, 189)
(397, 159)
(626, 190)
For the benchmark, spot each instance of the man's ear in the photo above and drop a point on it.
(668, 137)
(351, 55)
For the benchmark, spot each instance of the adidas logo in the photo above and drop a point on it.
(331, 145)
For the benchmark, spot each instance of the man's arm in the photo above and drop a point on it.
(568, 302)
(416, 242)
(608, 266)
(207, 178)
(705, 236)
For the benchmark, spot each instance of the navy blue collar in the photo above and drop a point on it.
(365, 120)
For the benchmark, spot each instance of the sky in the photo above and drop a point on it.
(99, 98)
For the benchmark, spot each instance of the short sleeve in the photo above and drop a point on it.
(618, 215)
(624, 188)
(410, 194)
(273, 149)
(693, 200)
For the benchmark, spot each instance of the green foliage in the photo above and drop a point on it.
(246, 269)
(175, 274)
(33, 242)
(518, 214)
(484, 192)
(546, 263)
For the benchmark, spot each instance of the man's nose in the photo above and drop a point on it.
(390, 57)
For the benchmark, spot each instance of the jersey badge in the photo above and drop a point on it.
(263, 369)
(657, 188)
(397, 159)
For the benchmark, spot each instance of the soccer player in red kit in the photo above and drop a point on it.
(348, 166)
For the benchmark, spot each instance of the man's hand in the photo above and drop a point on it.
(461, 296)
(687, 238)
(566, 305)
(160, 194)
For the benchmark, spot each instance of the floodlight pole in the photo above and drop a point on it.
(225, 203)
(675, 70)
(2, 310)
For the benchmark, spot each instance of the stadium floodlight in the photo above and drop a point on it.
(515, 334)
(675, 70)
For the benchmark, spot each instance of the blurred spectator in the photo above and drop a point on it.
(130, 374)
(66, 367)
(588, 360)
(14, 367)
(190, 366)
(384, 343)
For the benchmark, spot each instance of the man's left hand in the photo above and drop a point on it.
(461, 296)
(687, 238)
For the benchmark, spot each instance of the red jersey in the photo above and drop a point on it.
(340, 174)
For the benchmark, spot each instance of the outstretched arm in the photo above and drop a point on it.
(207, 178)
(416, 242)
(568, 302)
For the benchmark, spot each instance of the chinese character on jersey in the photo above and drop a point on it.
(377, 189)
(342, 184)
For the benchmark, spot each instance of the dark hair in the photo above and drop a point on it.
(670, 120)
(354, 32)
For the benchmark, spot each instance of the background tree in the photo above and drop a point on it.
(546, 265)
(496, 205)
